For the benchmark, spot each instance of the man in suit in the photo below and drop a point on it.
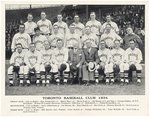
(90, 54)
(75, 61)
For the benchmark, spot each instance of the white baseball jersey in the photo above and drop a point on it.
(31, 59)
(104, 55)
(54, 37)
(117, 55)
(46, 56)
(23, 38)
(79, 28)
(60, 56)
(109, 38)
(71, 39)
(39, 40)
(29, 27)
(114, 27)
(95, 26)
(17, 58)
(45, 26)
(62, 27)
(134, 56)
(92, 37)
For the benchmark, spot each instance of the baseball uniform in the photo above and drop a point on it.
(79, 28)
(29, 27)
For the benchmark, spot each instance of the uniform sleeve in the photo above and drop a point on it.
(99, 26)
(102, 29)
(66, 55)
(50, 27)
(119, 38)
(29, 40)
(96, 41)
(44, 38)
(116, 28)
(139, 56)
(139, 41)
(109, 56)
(12, 59)
(38, 24)
(13, 43)
(39, 58)
(66, 28)
(102, 38)
(26, 60)
(126, 56)
(96, 57)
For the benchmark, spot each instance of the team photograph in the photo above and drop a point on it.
(74, 49)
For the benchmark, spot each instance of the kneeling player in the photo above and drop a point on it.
(104, 57)
(47, 67)
(133, 57)
(60, 58)
(33, 61)
(75, 62)
(118, 61)
(16, 64)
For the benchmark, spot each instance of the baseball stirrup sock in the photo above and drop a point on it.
(139, 75)
(10, 76)
(21, 78)
(96, 74)
(26, 76)
(55, 75)
(121, 76)
(111, 75)
(96, 80)
(38, 78)
(107, 77)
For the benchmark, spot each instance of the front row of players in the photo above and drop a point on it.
(64, 66)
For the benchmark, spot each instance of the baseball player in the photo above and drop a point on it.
(47, 67)
(16, 64)
(30, 25)
(21, 37)
(118, 61)
(133, 57)
(109, 37)
(114, 26)
(79, 27)
(39, 39)
(90, 56)
(62, 26)
(88, 36)
(45, 25)
(72, 38)
(60, 58)
(94, 24)
(32, 61)
(75, 61)
(55, 36)
(102, 69)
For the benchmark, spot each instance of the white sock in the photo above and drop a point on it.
(96, 80)
(57, 80)
(112, 80)
(28, 81)
(65, 80)
(21, 81)
(11, 82)
(47, 81)
(43, 81)
(122, 80)
(139, 80)
(38, 81)
(107, 80)
(126, 80)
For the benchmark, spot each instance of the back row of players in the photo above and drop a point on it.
(86, 53)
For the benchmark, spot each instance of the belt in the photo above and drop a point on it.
(46, 34)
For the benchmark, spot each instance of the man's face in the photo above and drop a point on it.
(32, 47)
(43, 16)
(129, 31)
(102, 45)
(108, 28)
(37, 32)
(55, 28)
(59, 44)
(46, 45)
(72, 29)
(87, 31)
(92, 16)
(19, 48)
(76, 19)
(117, 44)
(30, 18)
(21, 28)
(108, 18)
(88, 44)
(59, 17)
(132, 44)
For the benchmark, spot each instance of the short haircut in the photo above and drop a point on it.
(116, 40)
(108, 15)
(76, 15)
(59, 40)
(32, 44)
(132, 40)
(72, 25)
(55, 25)
(37, 28)
(59, 14)
(92, 13)
(42, 12)
(21, 25)
(19, 44)
(30, 14)
(108, 24)
(102, 41)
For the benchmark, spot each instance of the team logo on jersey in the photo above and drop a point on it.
(60, 57)
(19, 39)
(47, 57)
(103, 57)
(19, 59)
(33, 60)
(133, 57)
(117, 57)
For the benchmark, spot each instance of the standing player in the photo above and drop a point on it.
(32, 61)
(62, 26)
(30, 25)
(55, 36)
(118, 61)
(88, 36)
(109, 37)
(79, 27)
(72, 38)
(94, 24)
(114, 26)
(60, 58)
(133, 57)
(39, 39)
(21, 37)
(104, 56)
(45, 25)
(16, 64)
(47, 67)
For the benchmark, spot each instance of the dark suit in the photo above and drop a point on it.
(91, 56)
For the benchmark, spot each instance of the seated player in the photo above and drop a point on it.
(32, 61)
(90, 57)
(75, 62)
(104, 58)
(39, 39)
(118, 61)
(16, 64)
(72, 38)
(133, 58)
(47, 67)
(60, 58)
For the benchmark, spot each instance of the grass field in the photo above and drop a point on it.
(101, 89)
